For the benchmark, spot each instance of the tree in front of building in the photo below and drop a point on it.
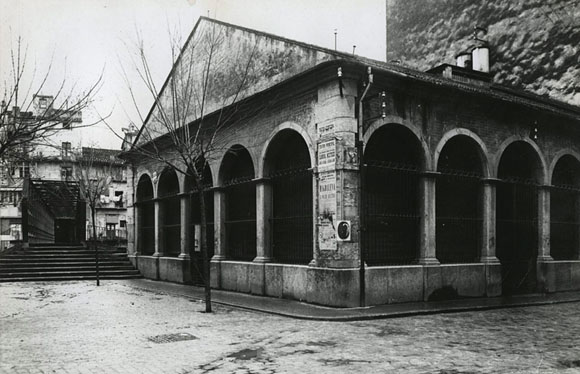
(94, 176)
(202, 96)
(27, 117)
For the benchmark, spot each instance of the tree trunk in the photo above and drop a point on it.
(95, 246)
(203, 245)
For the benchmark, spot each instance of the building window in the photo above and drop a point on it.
(119, 199)
(66, 172)
(66, 149)
(122, 224)
(43, 103)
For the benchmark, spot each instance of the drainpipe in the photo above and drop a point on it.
(360, 149)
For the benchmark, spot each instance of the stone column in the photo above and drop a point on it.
(158, 229)
(263, 221)
(544, 224)
(577, 253)
(488, 226)
(219, 207)
(427, 254)
(185, 226)
(137, 219)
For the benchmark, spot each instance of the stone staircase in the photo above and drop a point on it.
(53, 262)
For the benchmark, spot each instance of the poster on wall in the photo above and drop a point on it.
(327, 154)
(327, 209)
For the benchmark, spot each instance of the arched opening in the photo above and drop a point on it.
(517, 216)
(393, 160)
(145, 216)
(458, 201)
(237, 174)
(288, 167)
(195, 226)
(565, 209)
(168, 194)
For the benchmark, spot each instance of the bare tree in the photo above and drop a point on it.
(202, 96)
(93, 173)
(26, 117)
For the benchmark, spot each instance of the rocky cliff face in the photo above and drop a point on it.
(534, 44)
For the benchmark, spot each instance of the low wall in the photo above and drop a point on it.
(562, 276)
(400, 284)
(393, 284)
(148, 266)
(174, 269)
(335, 287)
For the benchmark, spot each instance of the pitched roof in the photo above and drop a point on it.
(101, 155)
(314, 56)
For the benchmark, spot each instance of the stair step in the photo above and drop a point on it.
(17, 264)
(41, 274)
(65, 262)
(90, 267)
(70, 278)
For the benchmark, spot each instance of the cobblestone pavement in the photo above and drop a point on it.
(76, 327)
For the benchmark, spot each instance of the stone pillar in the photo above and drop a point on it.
(158, 229)
(488, 226)
(577, 253)
(544, 224)
(263, 221)
(138, 221)
(185, 226)
(219, 207)
(427, 253)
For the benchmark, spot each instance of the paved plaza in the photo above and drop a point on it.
(76, 327)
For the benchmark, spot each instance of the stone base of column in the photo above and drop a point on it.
(489, 260)
(429, 261)
(262, 260)
(544, 259)
(217, 258)
(184, 256)
(157, 254)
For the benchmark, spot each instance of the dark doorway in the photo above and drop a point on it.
(288, 162)
(517, 212)
(458, 206)
(65, 231)
(393, 162)
(170, 204)
(145, 216)
(240, 195)
(565, 210)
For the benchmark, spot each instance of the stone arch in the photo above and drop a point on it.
(145, 214)
(541, 177)
(398, 121)
(520, 169)
(170, 212)
(237, 179)
(284, 126)
(288, 166)
(229, 156)
(394, 159)
(459, 160)
(216, 162)
(565, 207)
(557, 157)
(483, 152)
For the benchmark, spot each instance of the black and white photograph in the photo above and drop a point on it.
(289, 186)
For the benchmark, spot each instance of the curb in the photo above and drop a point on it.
(345, 317)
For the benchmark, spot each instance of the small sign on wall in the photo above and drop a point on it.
(325, 130)
(343, 230)
(197, 238)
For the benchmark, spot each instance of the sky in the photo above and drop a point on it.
(85, 39)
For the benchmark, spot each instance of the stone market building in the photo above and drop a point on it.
(464, 188)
